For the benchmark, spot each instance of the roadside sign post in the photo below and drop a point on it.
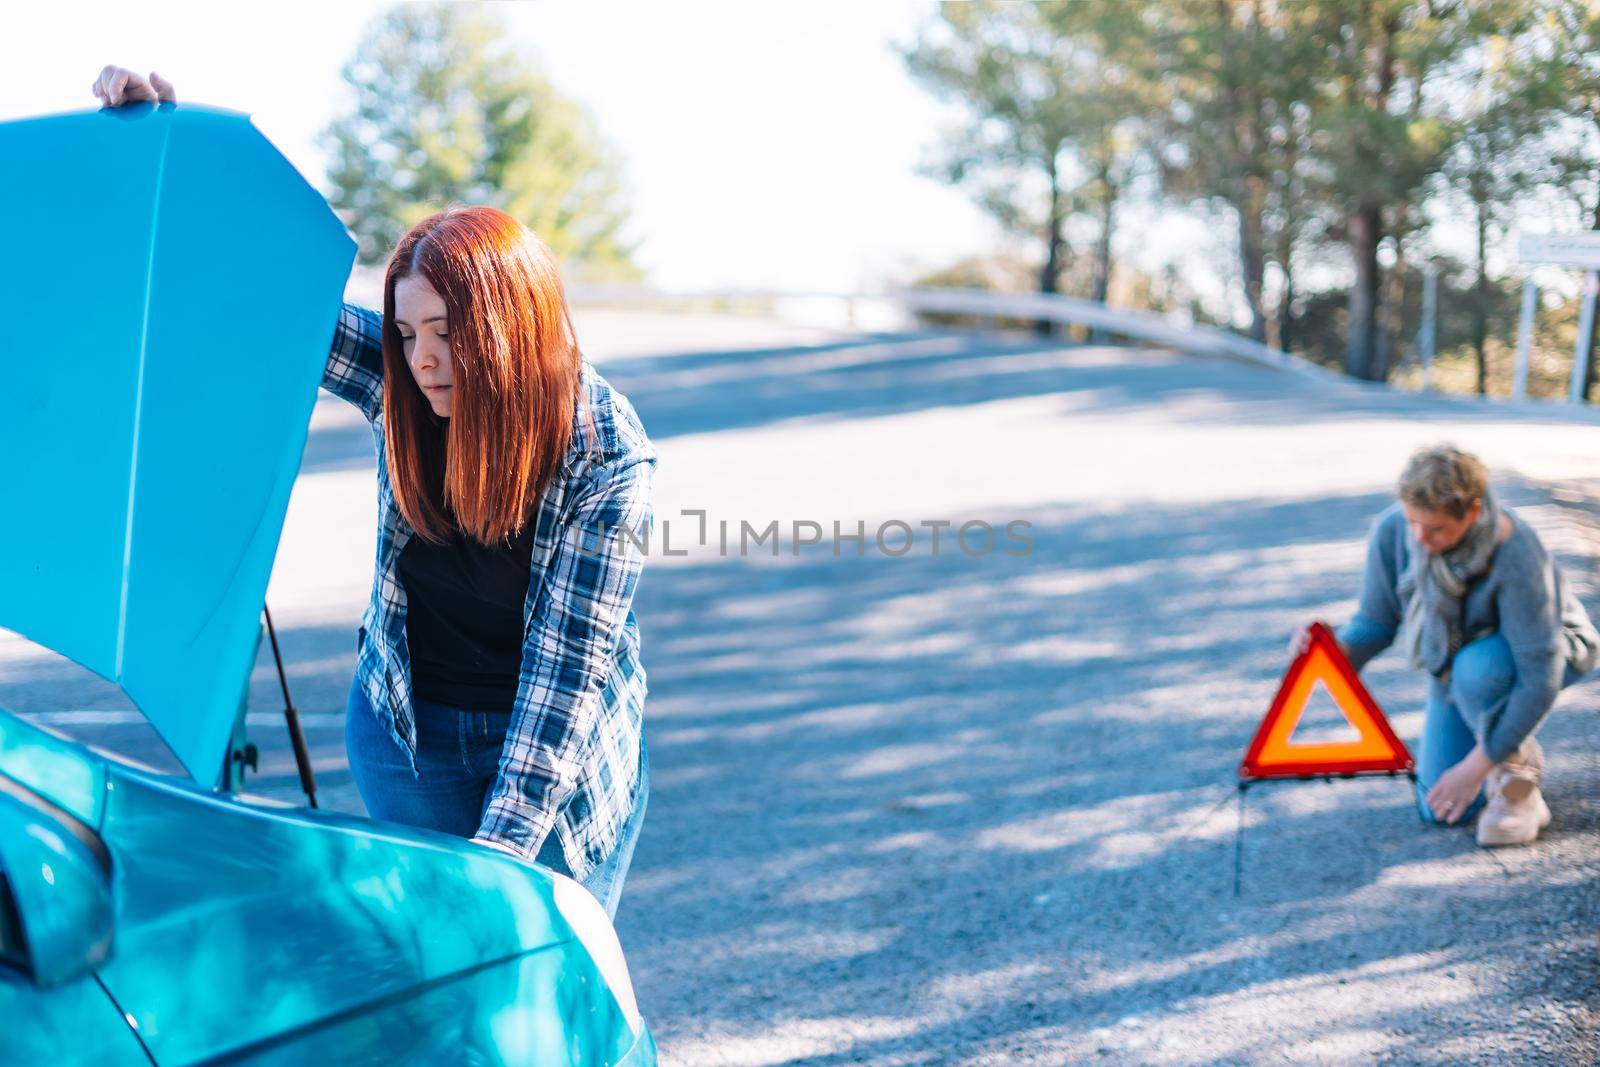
(1580, 250)
(1580, 351)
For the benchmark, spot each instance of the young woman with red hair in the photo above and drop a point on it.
(498, 692)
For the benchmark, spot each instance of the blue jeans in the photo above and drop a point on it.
(458, 758)
(1481, 676)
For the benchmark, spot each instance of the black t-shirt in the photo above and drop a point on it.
(464, 619)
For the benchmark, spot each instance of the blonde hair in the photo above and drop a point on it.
(1443, 478)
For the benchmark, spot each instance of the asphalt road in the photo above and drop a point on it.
(961, 807)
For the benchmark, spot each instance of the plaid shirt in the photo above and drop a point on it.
(571, 756)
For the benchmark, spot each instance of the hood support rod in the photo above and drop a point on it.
(297, 738)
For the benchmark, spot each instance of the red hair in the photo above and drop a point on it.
(516, 375)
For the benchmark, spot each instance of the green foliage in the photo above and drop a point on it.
(1379, 132)
(1241, 83)
(444, 111)
(1053, 104)
(1350, 127)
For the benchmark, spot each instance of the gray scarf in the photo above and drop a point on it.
(1433, 587)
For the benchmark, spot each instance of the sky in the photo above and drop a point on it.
(764, 144)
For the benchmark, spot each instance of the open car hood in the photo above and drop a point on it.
(172, 287)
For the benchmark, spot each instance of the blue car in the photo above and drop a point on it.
(151, 918)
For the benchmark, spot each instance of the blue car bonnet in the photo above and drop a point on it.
(173, 285)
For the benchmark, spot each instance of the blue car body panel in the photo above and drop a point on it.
(53, 767)
(261, 934)
(345, 924)
(72, 1024)
(182, 283)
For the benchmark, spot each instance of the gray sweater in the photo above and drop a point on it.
(1524, 597)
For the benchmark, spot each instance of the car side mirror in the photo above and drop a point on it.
(56, 907)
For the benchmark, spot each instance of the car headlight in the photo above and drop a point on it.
(593, 927)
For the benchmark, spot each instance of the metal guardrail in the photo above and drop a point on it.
(1193, 338)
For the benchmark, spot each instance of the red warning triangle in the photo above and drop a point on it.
(1273, 753)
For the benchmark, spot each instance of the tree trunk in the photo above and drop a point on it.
(1244, 137)
(1286, 313)
(1054, 243)
(1252, 254)
(1281, 332)
(1480, 297)
(1391, 309)
(1102, 245)
(1283, 245)
(1366, 230)
(1365, 223)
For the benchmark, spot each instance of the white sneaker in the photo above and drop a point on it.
(1516, 811)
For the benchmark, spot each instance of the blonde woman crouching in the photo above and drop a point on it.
(1476, 602)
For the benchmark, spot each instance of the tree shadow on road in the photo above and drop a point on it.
(955, 808)
(990, 799)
